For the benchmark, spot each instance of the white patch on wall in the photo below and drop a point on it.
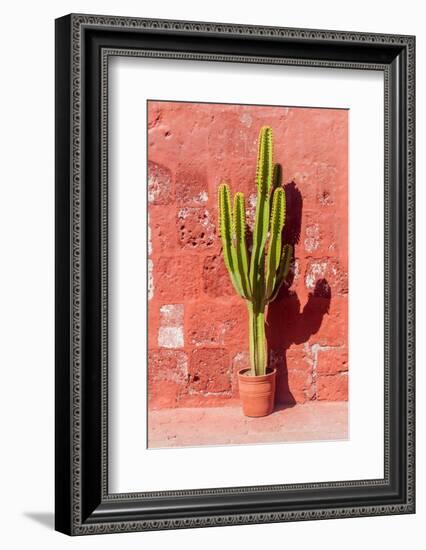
(159, 182)
(170, 337)
(171, 315)
(170, 333)
(150, 279)
(251, 210)
(295, 270)
(312, 240)
(246, 119)
(316, 271)
(201, 198)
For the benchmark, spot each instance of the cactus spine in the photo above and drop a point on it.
(259, 278)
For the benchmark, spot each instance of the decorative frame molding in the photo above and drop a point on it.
(84, 44)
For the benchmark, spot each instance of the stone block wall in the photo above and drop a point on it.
(197, 326)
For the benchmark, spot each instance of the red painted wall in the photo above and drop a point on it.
(197, 329)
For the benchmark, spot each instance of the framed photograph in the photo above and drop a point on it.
(234, 274)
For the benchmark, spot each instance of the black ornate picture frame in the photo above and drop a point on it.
(84, 44)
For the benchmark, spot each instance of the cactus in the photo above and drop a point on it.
(259, 278)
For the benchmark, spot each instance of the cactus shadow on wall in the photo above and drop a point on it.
(286, 322)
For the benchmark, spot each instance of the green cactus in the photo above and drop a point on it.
(259, 279)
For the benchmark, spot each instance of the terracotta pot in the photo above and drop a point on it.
(257, 393)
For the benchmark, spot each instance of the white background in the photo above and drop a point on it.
(26, 219)
(360, 457)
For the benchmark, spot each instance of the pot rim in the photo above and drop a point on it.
(269, 374)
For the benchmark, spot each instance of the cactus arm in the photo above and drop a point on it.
(225, 224)
(286, 260)
(274, 249)
(264, 167)
(283, 269)
(276, 176)
(239, 219)
(261, 226)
